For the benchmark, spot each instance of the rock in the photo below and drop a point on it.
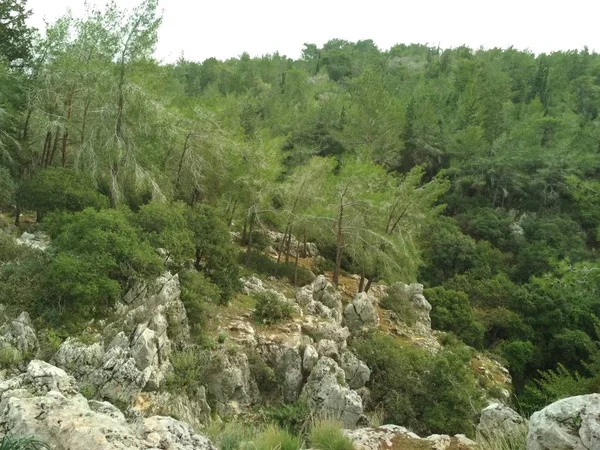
(326, 330)
(328, 348)
(42, 403)
(324, 292)
(38, 241)
(192, 409)
(569, 424)
(252, 285)
(304, 295)
(20, 334)
(327, 395)
(396, 437)
(357, 373)
(309, 359)
(360, 313)
(292, 375)
(413, 294)
(498, 418)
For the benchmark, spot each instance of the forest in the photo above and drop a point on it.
(474, 172)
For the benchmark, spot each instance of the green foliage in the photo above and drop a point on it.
(189, 368)
(214, 253)
(10, 442)
(265, 376)
(265, 265)
(57, 189)
(398, 301)
(452, 312)
(200, 297)
(515, 439)
(328, 435)
(428, 393)
(230, 435)
(10, 357)
(272, 437)
(7, 188)
(292, 417)
(270, 309)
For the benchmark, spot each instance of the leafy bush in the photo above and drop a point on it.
(328, 435)
(292, 417)
(9, 357)
(265, 376)
(271, 309)
(275, 438)
(396, 300)
(58, 189)
(430, 394)
(164, 225)
(7, 188)
(263, 264)
(189, 368)
(200, 297)
(214, 253)
(230, 435)
(452, 312)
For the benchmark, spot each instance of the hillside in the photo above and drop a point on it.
(414, 230)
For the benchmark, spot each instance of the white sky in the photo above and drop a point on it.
(226, 28)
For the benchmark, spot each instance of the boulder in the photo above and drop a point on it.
(569, 424)
(328, 396)
(499, 419)
(20, 334)
(326, 330)
(360, 313)
(252, 285)
(357, 373)
(396, 437)
(328, 348)
(309, 359)
(43, 403)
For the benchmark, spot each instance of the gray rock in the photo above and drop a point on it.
(328, 396)
(499, 419)
(252, 285)
(569, 424)
(310, 358)
(394, 436)
(360, 313)
(357, 373)
(326, 330)
(42, 403)
(20, 334)
(328, 348)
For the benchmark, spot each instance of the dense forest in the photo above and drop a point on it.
(474, 172)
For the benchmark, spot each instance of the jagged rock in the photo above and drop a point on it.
(498, 418)
(327, 395)
(133, 361)
(324, 292)
(326, 330)
(396, 437)
(43, 403)
(327, 347)
(357, 373)
(20, 334)
(292, 375)
(232, 387)
(569, 424)
(304, 295)
(192, 409)
(413, 293)
(252, 285)
(360, 313)
(320, 299)
(38, 241)
(310, 358)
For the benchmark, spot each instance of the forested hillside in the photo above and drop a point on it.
(474, 172)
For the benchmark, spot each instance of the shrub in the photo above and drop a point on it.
(22, 443)
(271, 309)
(515, 439)
(263, 264)
(396, 300)
(189, 368)
(265, 376)
(229, 436)
(275, 438)
(200, 297)
(10, 250)
(452, 312)
(9, 357)
(292, 417)
(58, 189)
(328, 435)
(214, 253)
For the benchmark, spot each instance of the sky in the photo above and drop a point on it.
(226, 28)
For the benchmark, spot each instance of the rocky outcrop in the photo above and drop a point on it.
(356, 372)
(38, 241)
(20, 335)
(327, 394)
(499, 419)
(360, 313)
(569, 424)
(320, 299)
(137, 356)
(395, 437)
(44, 403)
(193, 410)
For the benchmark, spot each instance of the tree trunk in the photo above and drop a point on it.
(288, 245)
(65, 139)
(86, 108)
(339, 244)
(282, 246)
(50, 159)
(250, 231)
(296, 265)
(47, 144)
(181, 160)
(368, 286)
(361, 284)
(17, 214)
(244, 234)
(232, 215)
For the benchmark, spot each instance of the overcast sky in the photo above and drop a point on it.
(226, 28)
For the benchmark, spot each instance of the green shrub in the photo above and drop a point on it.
(515, 439)
(22, 443)
(397, 301)
(270, 309)
(292, 417)
(452, 312)
(189, 368)
(230, 435)
(58, 189)
(10, 357)
(275, 438)
(263, 264)
(328, 435)
(10, 250)
(265, 376)
(200, 298)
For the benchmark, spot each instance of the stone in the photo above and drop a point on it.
(397, 437)
(360, 313)
(326, 330)
(497, 418)
(20, 334)
(328, 396)
(572, 423)
(329, 348)
(310, 358)
(357, 373)
(252, 285)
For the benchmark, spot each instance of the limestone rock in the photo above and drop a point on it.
(20, 334)
(328, 348)
(498, 418)
(569, 424)
(360, 313)
(326, 330)
(252, 285)
(357, 373)
(327, 395)
(310, 358)
(42, 403)
(396, 437)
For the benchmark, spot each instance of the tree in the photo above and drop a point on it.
(15, 35)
